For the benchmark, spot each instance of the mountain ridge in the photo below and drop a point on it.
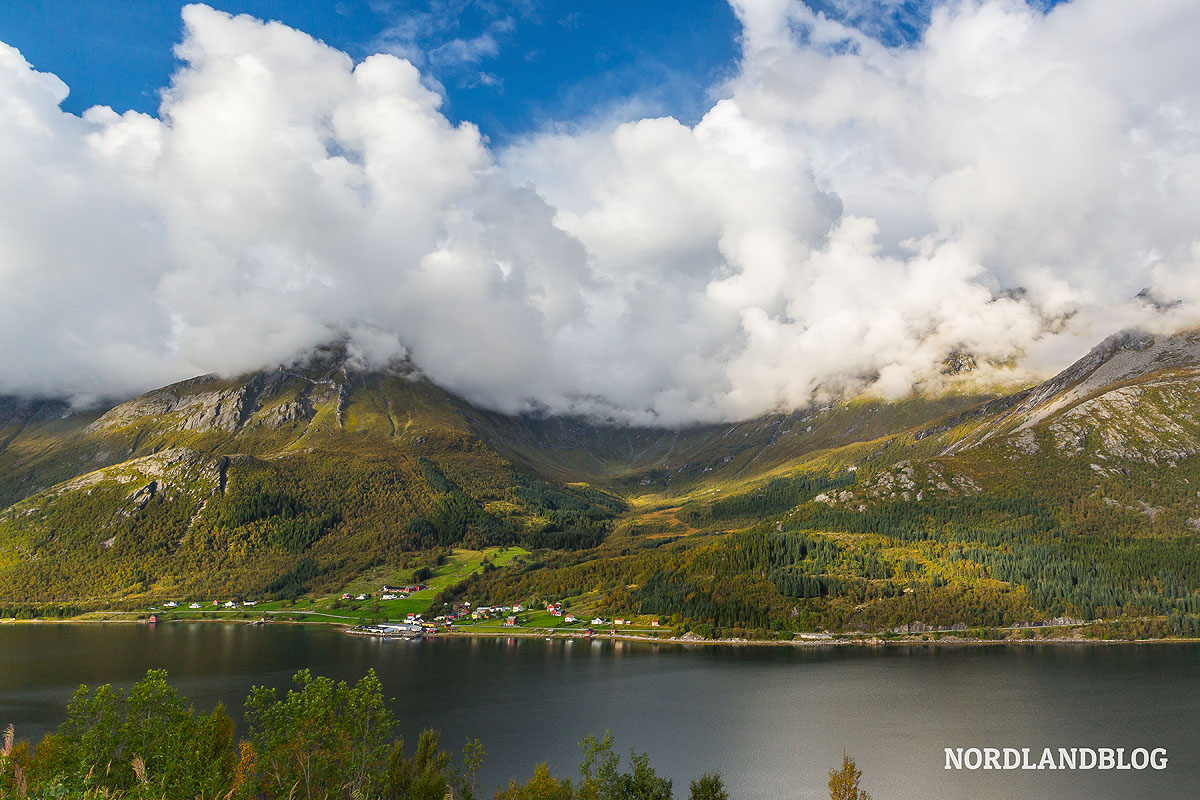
(297, 479)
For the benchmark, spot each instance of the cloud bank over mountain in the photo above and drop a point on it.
(845, 216)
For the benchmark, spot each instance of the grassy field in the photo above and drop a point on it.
(331, 608)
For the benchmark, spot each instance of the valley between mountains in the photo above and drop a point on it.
(1075, 500)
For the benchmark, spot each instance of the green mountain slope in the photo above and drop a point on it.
(280, 482)
(1078, 497)
(655, 460)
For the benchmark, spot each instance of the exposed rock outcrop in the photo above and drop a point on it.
(220, 409)
(1118, 359)
(1152, 422)
(905, 480)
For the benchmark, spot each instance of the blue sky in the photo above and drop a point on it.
(507, 65)
(510, 66)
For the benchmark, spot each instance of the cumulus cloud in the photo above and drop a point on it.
(847, 215)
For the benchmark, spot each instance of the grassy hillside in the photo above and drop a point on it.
(642, 461)
(279, 483)
(1077, 498)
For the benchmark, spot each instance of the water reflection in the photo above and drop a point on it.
(772, 720)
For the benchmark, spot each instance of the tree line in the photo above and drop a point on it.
(320, 741)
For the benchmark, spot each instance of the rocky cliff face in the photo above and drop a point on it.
(203, 411)
(208, 403)
(1126, 357)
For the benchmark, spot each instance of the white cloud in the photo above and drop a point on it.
(464, 51)
(844, 218)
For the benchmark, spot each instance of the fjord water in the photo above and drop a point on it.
(773, 720)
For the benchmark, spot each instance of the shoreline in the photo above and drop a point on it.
(850, 640)
(865, 641)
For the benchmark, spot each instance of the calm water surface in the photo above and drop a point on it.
(772, 720)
